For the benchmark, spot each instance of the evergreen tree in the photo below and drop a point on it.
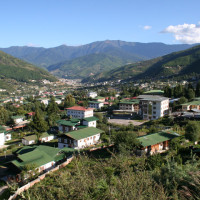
(52, 107)
(4, 115)
(69, 101)
(197, 92)
(190, 94)
(39, 124)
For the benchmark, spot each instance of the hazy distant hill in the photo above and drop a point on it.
(129, 51)
(175, 64)
(14, 68)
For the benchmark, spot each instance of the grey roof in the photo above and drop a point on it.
(152, 97)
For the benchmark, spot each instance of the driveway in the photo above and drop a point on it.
(125, 122)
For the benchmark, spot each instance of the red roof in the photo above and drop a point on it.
(79, 108)
(31, 113)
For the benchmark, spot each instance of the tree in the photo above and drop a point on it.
(4, 115)
(69, 101)
(197, 92)
(190, 94)
(192, 132)
(182, 100)
(39, 124)
(52, 107)
(126, 141)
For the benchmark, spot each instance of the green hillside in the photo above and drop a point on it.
(172, 65)
(13, 68)
(87, 66)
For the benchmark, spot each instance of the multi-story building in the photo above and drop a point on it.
(153, 106)
(79, 112)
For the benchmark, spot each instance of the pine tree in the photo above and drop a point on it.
(39, 124)
(197, 92)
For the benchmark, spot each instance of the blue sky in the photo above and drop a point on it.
(50, 23)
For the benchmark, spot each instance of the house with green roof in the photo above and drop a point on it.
(31, 139)
(80, 139)
(95, 104)
(131, 105)
(75, 123)
(18, 118)
(156, 142)
(41, 157)
(195, 104)
(90, 121)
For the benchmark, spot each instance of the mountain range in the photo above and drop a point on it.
(85, 60)
(177, 64)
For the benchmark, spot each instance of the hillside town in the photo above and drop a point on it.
(40, 132)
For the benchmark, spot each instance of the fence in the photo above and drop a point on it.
(41, 177)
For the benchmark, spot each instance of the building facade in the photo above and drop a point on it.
(153, 107)
(79, 112)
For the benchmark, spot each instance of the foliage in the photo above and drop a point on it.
(126, 141)
(69, 101)
(192, 132)
(39, 124)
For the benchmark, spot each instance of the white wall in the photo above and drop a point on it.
(26, 142)
(90, 124)
(2, 139)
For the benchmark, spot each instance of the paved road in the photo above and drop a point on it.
(125, 122)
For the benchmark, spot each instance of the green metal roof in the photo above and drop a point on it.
(90, 119)
(30, 137)
(97, 102)
(66, 123)
(156, 138)
(17, 117)
(98, 97)
(135, 101)
(155, 92)
(34, 137)
(84, 133)
(37, 155)
(191, 103)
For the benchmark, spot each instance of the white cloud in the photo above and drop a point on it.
(32, 45)
(147, 27)
(185, 33)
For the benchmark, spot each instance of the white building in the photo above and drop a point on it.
(92, 94)
(90, 122)
(80, 139)
(31, 139)
(18, 119)
(44, 101)
(79, 112)
(153, 106)
(95, 104)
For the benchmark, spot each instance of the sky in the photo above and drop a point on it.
(50, 23)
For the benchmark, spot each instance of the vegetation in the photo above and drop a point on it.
(117, 176)
(13, 68)
(172, 65)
